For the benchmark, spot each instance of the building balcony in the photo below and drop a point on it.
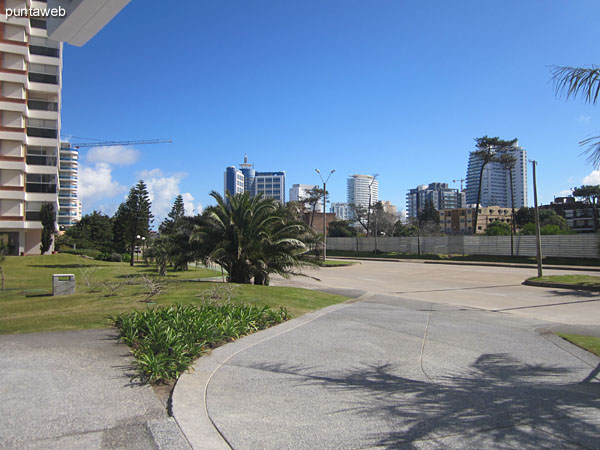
(40, 160)
(42, 132)
(40, 105)
(44, 51)
(41, 188)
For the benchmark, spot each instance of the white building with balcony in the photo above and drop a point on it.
(68, 175)
(30, 102)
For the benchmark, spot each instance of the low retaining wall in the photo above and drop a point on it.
(569, 246)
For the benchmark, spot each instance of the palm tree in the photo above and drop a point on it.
(250, 237)
(508, 162)
(580, 82)
(487, 149)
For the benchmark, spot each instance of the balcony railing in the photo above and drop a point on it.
(44, 51)
(40, 105)
(39, 160)
(43, 188)
(42, 132)
(43, 78)
(63, 194)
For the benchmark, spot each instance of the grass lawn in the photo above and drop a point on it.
(574, 280)
(476, 258)
(28, 306)
(589, 343)
(335, 263)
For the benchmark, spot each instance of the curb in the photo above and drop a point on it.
(561, 286)
(473, 263)
(189, 398)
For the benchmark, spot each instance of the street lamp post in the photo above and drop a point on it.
(137, 249)
(143, 246)
(538, 241)
(324, 211)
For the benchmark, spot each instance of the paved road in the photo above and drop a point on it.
(431, 366)
(73, 390)
(482, 287)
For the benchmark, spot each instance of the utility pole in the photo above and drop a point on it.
(537, 221)
(324, 211)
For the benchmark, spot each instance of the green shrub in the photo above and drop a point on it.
(166, 340)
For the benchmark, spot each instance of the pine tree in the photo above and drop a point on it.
(177, 213)
(135, 216)
(48, 226)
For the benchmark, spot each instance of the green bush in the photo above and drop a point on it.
(166, 340)
(96, 254)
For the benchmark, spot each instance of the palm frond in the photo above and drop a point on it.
(577, 81)
(592, 151)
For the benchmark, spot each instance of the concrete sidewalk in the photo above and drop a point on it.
(393, 372)
(74, 390)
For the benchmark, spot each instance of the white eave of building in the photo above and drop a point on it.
(83, 19)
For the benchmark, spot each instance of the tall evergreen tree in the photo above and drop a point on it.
(48, 226)
(135, 216)
(177, 213)
(487, 149)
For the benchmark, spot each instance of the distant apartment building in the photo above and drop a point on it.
(247, 179)
(68, 199)
(341, 210)
(388, 208)
(30, 107)
(460, 220)
(362, 189)
(300, 192)
(579, 215)
(495, 184)
(439, 194)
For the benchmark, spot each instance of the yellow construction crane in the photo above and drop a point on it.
(115, 143)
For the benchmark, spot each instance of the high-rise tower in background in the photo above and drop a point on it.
(247, 179)
(495, 185)
(69, 212)
(362, 189)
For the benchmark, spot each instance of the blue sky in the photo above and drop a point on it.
(394, 87)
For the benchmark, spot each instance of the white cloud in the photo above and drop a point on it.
(97, 183)
(565, 193)
(188, 201)
(592, 178)
(163, 190)
(583, 118)
(118, 155)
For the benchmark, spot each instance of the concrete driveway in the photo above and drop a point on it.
(423, 360)
(481, 287)
(73, 390)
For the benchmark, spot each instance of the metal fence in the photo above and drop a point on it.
(574, 246)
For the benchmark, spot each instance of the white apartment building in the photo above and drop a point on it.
(30, 79)
(342, 211)
(362, 189)
(30, 103)
(299, 192)
(495, 185)
(68, 175)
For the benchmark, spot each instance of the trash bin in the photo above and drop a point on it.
(63, 284)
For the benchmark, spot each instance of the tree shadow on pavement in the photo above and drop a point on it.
(497, 401)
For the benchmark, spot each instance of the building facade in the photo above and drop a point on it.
(362, 189)
(460, 220)
(495, 184)
(579, 214)
(247, 179)
(30, 107)
(439, 194)
(30, 103)
(341, 210)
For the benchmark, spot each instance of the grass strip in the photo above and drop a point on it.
(587, 281)
(166, 340)
(589, 343)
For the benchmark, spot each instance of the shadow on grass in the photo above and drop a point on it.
(64, 266)
(495, 402)
(38, 295)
